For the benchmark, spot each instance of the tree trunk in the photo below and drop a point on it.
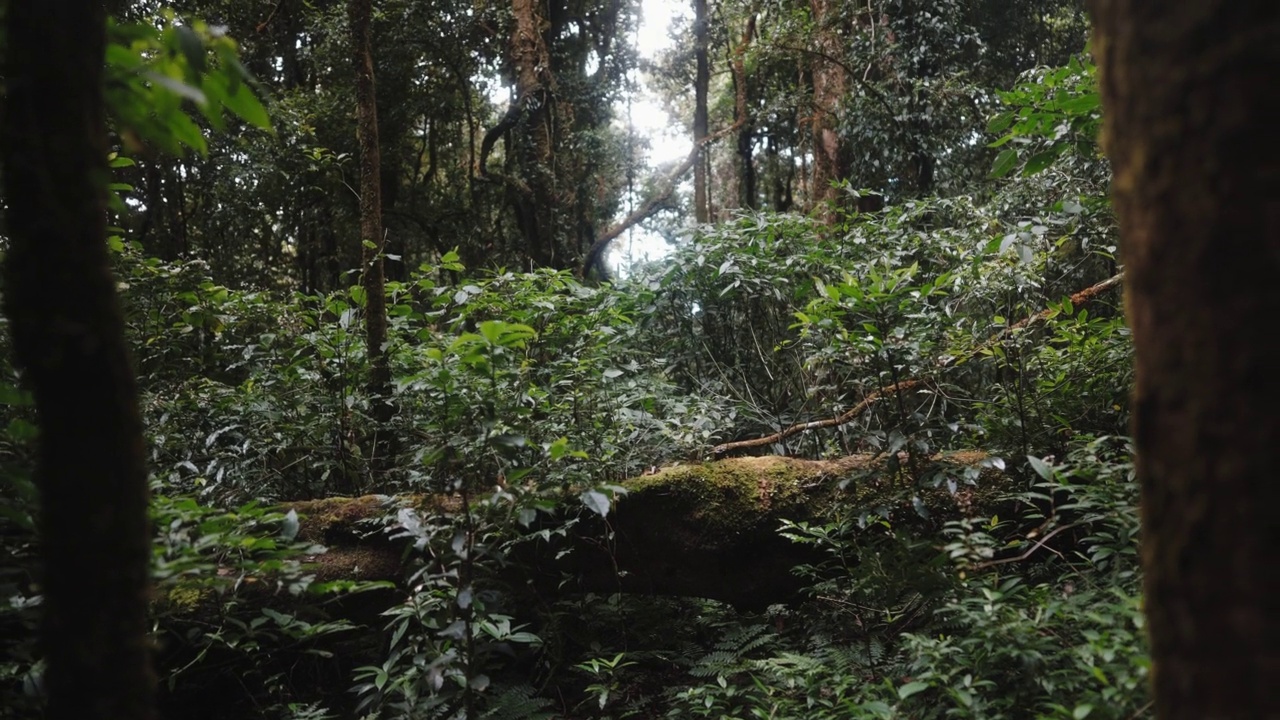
(701, 124)
(68, 335)
(371, 236)
(1189, 88)
(829, 89)
(747, 192)
(534, 144)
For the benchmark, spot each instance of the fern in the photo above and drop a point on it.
(731, 652)
(518, 702)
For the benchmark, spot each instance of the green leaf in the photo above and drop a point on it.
(1042, 160)
(289, 526)
(1005, 162)
(911, 688)
(596, 501)
(185, 131)
(177, 87)
(241, 101)
(1042, 468)
(1000, 123)
(191, 46)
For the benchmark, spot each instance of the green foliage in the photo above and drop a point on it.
(1054, 110)
(1058, 637)
(453, 635)
(155, 71)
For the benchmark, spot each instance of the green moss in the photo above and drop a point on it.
(185, 598)
(742, 494)
(730, 496)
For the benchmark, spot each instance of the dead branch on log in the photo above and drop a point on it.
(841, 419)
(1083, 297)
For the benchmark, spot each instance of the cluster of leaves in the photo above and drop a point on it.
(156, 72)
(781, 328)
(1054, 110)
(251, 394)
(212, 569)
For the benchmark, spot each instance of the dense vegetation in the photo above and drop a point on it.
(919, 246)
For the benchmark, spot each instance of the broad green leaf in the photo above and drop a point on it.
(911, 688)
(999, 123)
(1042, 468)
(1005, 162)
(596, 501)
(247, 107)
(178, 87)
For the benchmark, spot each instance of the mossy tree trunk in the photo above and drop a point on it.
(534, 197)
(1189, 88)
(68, 334)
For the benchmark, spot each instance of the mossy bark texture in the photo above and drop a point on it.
(68, 334)
(1191, 90)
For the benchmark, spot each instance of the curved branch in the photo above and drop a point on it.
(841, 419)
(1083, 297)
(595, 254)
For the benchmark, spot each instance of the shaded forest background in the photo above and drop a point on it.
(369, 310)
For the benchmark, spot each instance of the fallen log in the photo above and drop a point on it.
(701, 530)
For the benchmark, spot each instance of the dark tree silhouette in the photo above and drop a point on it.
(68, 334)
(1190, 94)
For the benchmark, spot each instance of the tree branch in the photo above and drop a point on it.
(841, 419)
(1083, 297)
(595, 253)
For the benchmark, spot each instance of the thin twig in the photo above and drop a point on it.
(1028, 553)
(841, 419)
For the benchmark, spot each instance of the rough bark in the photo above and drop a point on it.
(372, 240)
(701, 85)
(68, 335)
(535, 97)
(829, 89)
(1189, 89)
(699, 530)
(747, 192)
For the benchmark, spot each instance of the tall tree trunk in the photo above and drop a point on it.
(1189, 88)
(829, 89)
(68, 334)
(371, 237)
(701, 83)
(535, 196)
(747, 192)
